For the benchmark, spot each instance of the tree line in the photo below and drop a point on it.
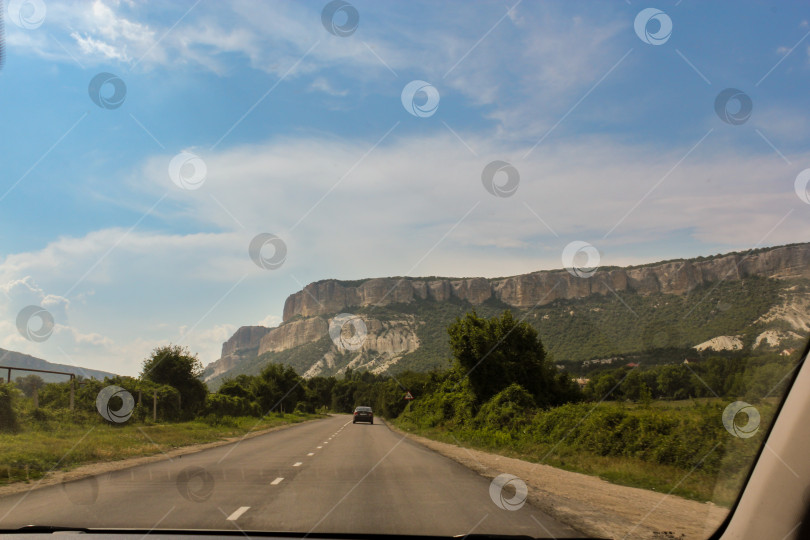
(500, 369)
(751, 378)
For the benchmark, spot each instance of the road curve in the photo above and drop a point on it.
(324, 476)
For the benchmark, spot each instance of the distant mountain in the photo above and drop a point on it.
(762, 297)
(20, 360)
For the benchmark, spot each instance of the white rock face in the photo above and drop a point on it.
(293, 334)
(385, 343)
(721, 343)
(772, 338)
(794, 310)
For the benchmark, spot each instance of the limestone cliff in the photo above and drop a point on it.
(303, 338)
(386, 342)
(540, 288)
(244, 344)
(293, 334)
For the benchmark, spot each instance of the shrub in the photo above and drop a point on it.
(225, 405)
(509, 410)
(8, 418)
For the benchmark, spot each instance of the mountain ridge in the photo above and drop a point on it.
(383, 303)
(546, 286)
(15, 359)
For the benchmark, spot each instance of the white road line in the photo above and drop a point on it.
(311, 454)
(235, 515)
(277, 481)
(319, 447)
(297, 464)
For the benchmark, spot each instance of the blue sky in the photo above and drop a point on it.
(303, 134)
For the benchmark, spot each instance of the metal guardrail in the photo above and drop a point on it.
(71, 375)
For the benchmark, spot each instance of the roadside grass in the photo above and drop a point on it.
(719, 485)
(690, 403)
(62, 441)
(695, 485)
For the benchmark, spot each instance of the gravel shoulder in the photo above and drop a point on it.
(589, 504)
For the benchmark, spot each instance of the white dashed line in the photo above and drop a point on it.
(311, 454)
(297, 464)
(277, 481)
(319, 447)
(235, 515)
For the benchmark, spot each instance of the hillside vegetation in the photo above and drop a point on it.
(652, 426)
(657, 328)
(660, 427)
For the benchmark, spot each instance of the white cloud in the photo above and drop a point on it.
(400, 210)
(91, 46)
(320, 84)
(532, 61)
(208, 342)
(270, 321)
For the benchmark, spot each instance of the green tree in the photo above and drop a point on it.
(278, 388)
(636, 386)
(28, 383)
(238, 387)
(343, 395)
(177, 367)
(645, 395)
(675, 382)
(604, 386)
(8, 418)
(496, 352)
(319, 391)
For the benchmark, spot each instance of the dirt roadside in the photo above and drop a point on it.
(589, 504)
(95, 469)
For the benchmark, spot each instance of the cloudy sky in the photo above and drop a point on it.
(145, 146)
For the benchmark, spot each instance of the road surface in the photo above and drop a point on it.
(323, 476)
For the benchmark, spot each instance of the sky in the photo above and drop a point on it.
(173, 171)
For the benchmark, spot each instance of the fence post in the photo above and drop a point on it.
(71, 392)
(154, 406)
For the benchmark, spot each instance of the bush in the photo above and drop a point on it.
(509, 410)
(8, 418)
(56, 396)
(225, 405)
(451, 405)
(303, 407)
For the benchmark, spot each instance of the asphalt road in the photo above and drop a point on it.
(322, 476)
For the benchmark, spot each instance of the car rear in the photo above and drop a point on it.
(363, 414)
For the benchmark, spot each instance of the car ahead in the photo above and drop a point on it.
(363, 414)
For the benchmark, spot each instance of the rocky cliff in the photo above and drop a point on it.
(242, 345)
(400, 337)
(541, 288)
(293, 334)
(386, 342)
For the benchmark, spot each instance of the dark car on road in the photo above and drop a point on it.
(363, 414)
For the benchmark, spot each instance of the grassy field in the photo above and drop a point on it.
(63, 442)
(719, 483)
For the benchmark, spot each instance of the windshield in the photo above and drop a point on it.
(558, 249)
